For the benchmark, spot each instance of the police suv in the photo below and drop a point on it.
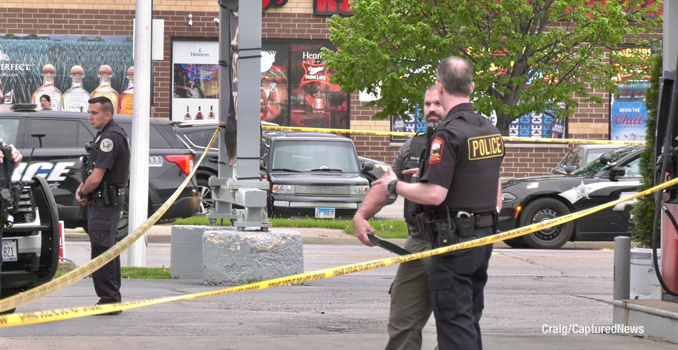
(531, 200)
(53, 142)
(30, 240)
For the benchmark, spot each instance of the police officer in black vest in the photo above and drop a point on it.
(410, 303)
(104, 192)
(459, 192)
(10, 158)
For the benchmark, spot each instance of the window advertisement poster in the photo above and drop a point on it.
(314, 102)
(195, 80)
(69, 69)
(540, 126)
(627, 105)
(415, 124)
(296, 89)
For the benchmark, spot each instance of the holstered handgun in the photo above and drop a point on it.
(105, 194)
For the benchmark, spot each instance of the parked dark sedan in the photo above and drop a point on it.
(531, 200)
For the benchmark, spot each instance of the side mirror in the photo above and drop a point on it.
(367, 167)
(617, 172)
(570, 168)
(605, 159)
(262, 165)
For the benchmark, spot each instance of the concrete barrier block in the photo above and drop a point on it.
(232, 257)
(186, 251)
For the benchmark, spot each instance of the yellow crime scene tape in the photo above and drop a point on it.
(95, 264)
(506, 138)
(64, 314)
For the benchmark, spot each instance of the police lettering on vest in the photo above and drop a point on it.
(484, 147)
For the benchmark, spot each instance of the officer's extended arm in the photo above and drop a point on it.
(375, 200)
(425, 193)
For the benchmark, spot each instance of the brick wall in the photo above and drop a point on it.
(293, 21)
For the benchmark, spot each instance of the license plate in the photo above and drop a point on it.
(9, 249)
(324, 213)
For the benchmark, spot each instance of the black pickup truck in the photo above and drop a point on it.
(53, 142)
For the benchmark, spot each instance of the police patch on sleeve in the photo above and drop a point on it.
(484, 147)
(106, 145)
(436, 150)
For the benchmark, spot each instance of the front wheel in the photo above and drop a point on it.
(541, 210)
(206, 201)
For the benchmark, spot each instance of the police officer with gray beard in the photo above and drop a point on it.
(459, 192)
(104, 192)
(410, 304)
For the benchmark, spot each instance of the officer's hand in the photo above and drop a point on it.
(82, 201)
(362, 227)
(16, 155)
(413, 172)
(384, 180)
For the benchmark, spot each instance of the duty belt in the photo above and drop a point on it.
(485, 219)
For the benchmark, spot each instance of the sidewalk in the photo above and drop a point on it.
(163, 234)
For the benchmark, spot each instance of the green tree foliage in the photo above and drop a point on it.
(643, 209)
(526, 54)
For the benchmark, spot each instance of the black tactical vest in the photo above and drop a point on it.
(476, 173)
(414, 154)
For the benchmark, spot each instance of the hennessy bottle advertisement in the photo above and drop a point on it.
(34, 65)
(195, 80)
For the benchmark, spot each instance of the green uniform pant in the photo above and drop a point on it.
(410, 301)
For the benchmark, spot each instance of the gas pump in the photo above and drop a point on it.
(666, 150)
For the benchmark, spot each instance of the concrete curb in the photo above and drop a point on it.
(163, 234)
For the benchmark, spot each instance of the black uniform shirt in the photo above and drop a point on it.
(443, 150)
(113, 154)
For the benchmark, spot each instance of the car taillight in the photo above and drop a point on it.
(184, 162)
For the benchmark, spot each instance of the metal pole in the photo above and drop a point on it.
(138, 201)
(622, 268)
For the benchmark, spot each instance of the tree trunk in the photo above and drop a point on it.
(503, 122)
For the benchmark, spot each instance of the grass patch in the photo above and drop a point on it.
(137, 273)
(385, 229)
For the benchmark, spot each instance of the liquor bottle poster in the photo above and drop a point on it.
(315, 102)
(195, 80)
(23, 57)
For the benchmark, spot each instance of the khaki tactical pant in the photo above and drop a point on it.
(410, 301)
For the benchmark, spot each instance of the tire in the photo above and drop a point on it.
(517, 242)
(206, 203)
(543, 209)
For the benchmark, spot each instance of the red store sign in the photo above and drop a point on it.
(267, 4)
(332, 7)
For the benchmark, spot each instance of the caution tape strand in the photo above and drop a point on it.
(408, 134)
(64, 314)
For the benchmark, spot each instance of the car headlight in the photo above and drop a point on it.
(359, 189)
(283, 189)
(507, 197)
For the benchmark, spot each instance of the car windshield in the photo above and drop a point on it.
(591, 169)
(307, 156)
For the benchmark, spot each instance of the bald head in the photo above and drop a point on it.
(455, 74)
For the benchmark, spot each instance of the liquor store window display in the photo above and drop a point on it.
(69, 69)
(296, 88)
(195, 80)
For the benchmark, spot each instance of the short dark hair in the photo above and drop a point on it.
(46, 97)
(456, 76)
(106, 104)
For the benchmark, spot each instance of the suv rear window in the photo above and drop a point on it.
(200, 138)
(58, 133)
(307, 156)
(157, 141)
(9, 128)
